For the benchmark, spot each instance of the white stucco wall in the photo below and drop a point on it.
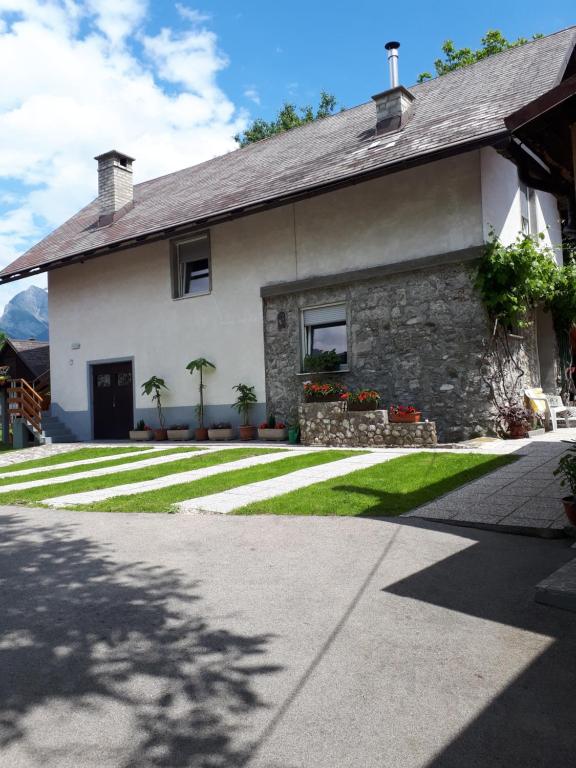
(119, 306)
(501, 207)
(424, 211)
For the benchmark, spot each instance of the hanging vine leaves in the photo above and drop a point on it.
(563, 303)
(513, 279)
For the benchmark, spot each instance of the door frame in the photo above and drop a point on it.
(90, 381)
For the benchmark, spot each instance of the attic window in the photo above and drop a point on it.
(191, 268)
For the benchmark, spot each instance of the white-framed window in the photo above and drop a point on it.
(528, 210)
(191, 267)
(324, 329)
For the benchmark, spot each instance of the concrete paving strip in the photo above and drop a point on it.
(152, 461)
(80, 462)
(129, 489)
(227, 501)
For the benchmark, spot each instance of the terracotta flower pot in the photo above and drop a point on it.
(517, 431)
(247, 432)
(570, 508)
(160, 434)
(405, 418)
(200, 434)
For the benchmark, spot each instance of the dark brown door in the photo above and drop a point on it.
(112, 400)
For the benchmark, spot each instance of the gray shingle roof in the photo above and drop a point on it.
(34, 354)
(451, 112)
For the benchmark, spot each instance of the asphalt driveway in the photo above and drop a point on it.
(152, 641)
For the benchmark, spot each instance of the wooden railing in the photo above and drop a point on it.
(25, 403)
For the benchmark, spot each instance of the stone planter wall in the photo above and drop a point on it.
(330, 424)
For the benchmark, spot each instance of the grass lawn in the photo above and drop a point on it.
(78, 455)
(111, 462)
(388, 489)
(163, 499)
(198, 461)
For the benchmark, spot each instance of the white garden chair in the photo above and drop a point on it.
(559, 412)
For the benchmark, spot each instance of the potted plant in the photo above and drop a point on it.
(154, 387)
(362, 400)
(141, 432)
(244, 402)
(179, 432)
(327, 392)
(322, 362)
(404, 414)
(199, 365)
(272, 430)
(566, 469)
(294, 433)
(221, 431)
(517, 420)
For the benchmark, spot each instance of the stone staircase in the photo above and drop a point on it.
(54, 431)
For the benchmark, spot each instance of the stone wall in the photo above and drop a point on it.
(332, 425)
(417, 337)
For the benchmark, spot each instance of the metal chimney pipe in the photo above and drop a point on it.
(392, 48)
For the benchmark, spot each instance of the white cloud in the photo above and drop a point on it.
(252, 94)
(117, 18)
(73, 87)
(192, 15)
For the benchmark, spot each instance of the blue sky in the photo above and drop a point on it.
(291, 51)
(170, 83)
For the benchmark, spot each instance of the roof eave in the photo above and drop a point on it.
(258, 206)
(536, 108)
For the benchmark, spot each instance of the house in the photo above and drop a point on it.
(27, 359)
(359, 232)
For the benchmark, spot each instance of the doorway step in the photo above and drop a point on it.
(54, 431)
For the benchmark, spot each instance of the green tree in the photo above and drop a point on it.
(199, 364)
(288, 117)
(454, 58)
(154, 387)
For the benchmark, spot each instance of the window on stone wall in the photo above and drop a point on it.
(191, 268)
(324, 330)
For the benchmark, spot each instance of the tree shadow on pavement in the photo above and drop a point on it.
(122, 646)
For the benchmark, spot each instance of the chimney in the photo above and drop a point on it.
(392, 48)
(115, 186)
(393, 107)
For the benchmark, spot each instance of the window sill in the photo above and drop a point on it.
(191, 296)
(323, 373)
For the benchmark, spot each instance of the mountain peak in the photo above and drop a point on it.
(26, 315)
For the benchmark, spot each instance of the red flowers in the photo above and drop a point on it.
(361, 396)
(319, 392)
(403, 410)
